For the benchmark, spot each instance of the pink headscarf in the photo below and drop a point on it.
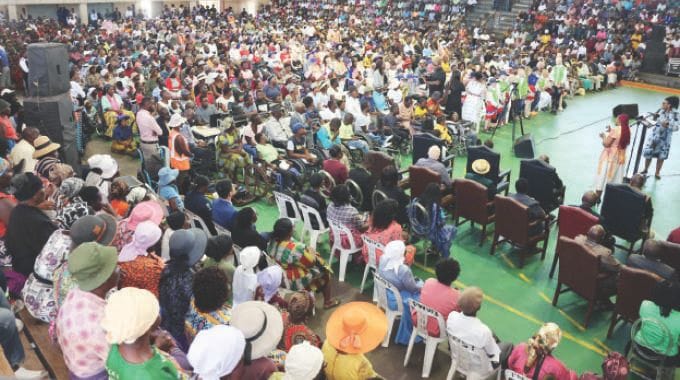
(146, 235)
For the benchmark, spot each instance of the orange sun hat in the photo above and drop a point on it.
(356, 328)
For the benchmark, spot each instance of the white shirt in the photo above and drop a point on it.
(473, 331)
(23, 151)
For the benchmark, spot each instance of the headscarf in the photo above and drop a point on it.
(244, 276)
(68, 214)
(146, 235)
(542, 343)
(129, 313)
(303, 362)
(70, 187)
(394, 255)
(59, 172)
(270, 281)
(215, 352)
(299, 305)
(624, 140)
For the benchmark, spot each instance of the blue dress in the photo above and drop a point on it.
(409, 288)
(658, 146)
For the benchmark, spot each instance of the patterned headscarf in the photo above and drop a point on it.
(299, 306)
(70, 187)
(542, 343)
(68, 214)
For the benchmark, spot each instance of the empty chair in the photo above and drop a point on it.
(579, 272)
(288, 207)
(515, 226)
(633, 286)
(355, 192)
(423, 314)
(571, 222)
(372, 264)
(472, 203)
(470, 361)
(310, 214)
(625, 213)
(381, 285)
(338, 231)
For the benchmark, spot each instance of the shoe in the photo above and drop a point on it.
(27, 374)
(19, 323)
(386, 143)
(657, 176)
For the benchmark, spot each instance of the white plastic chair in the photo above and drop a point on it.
(309, 213)
(372, 246)
(651, 359)
(512, 375)
(197, 221)
(282, 200)
(471, 361)
(381, 285)
(164, 152)
(338, 231)
(423, 315)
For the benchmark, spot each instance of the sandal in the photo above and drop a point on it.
(332, 304)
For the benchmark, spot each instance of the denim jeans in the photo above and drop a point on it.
(358, 144)
(9, 335)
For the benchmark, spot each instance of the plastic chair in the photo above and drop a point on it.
(470, 361)
(165, 155)
(420, 224)
(377, 197)
(356, 195)
(338, 231)
(372, 246)
(512, 375)
(381, 285)
(423, 315)
(327, 184)
(308, 213)
(649, 358)
(198, 222)
(282, 202)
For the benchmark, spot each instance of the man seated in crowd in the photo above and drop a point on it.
(535, 210)
(223, 211)
(651, 260)
(297, 145)
(609, 265)
(432, 162)
(277, 128)
(589, 201)
(334, 165)
(552, 200)
(389, 184)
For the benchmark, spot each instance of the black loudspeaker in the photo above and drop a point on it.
(655, 52)
(52, 115)
(629, 109)
(48, 69)
(524, 146)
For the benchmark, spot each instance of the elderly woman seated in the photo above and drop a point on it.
(536, 355)
(112, 107)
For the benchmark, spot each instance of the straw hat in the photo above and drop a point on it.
(356, 328)
(481, 166)
(262, 326)
(44, 146)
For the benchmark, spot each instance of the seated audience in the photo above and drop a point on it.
(438, 294)
(480, 168)
(535, 210)
(432, 162)
(342, 212)
(175, 221)
(244, 230)
(650, 260)
(262, 326)
(244, 284)
(216, 352)
(353, 330)
(223, 211)
(93, 268)
(143, 211)
(662, 307)
(393, 268)
(384, 228)
(304, 268)
(609, 265)
(304, 362)
(118, 198)
(312, 197)
(167, 188)
(220, 253)
(197, 202)
(295, 329)
(536, 355)
(123, 141)
(334, 165)
(389, 184)
(441, 235)
(209, 305)
(139, 266)
(269, 281)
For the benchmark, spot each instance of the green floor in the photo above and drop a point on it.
(518, 301)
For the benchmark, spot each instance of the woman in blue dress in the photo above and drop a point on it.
(393, 269)
(440, 234)
(659, 144)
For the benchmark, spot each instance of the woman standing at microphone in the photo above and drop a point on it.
(613, 156)
(660, 143)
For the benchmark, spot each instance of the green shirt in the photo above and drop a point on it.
(226, 267)
(654, 338)
(267, 152)
(156, 368)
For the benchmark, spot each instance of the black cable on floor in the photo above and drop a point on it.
(574, 130)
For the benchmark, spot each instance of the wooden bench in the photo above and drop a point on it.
(48, 351)
(5, 367)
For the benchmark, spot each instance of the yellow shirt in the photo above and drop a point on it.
(346, 131)
(420, 111)
(346, 367)
(443, 132)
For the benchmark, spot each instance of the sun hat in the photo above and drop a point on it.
(105, 163)
(129, 313)
(148, 210)
(261, 325)
(356, 327)
(146, 235)
(270, 280)
(481, 166)
(100, 228)
(26, 185)
(91, 264)
(470, 300)
(166, 175)
(303, 362)
(44, 146)
(190, 243)
(215, 352)
(176, 121)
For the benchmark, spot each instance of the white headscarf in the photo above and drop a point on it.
(215, 352)
(245, 280)
(270, 281)
(303, 362)
(394, 255)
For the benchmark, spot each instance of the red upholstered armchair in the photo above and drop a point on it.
(472, 203)
(633, 286)
(419, 177)
(514, 225)
(571, 222)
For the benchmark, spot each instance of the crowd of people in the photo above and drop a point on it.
(207, 99)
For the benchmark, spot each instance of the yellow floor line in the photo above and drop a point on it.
(571, 320)
(601, 344)
(650, 87)
(508, 261)
(545, 297)
(524, 278)
(525, 316)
